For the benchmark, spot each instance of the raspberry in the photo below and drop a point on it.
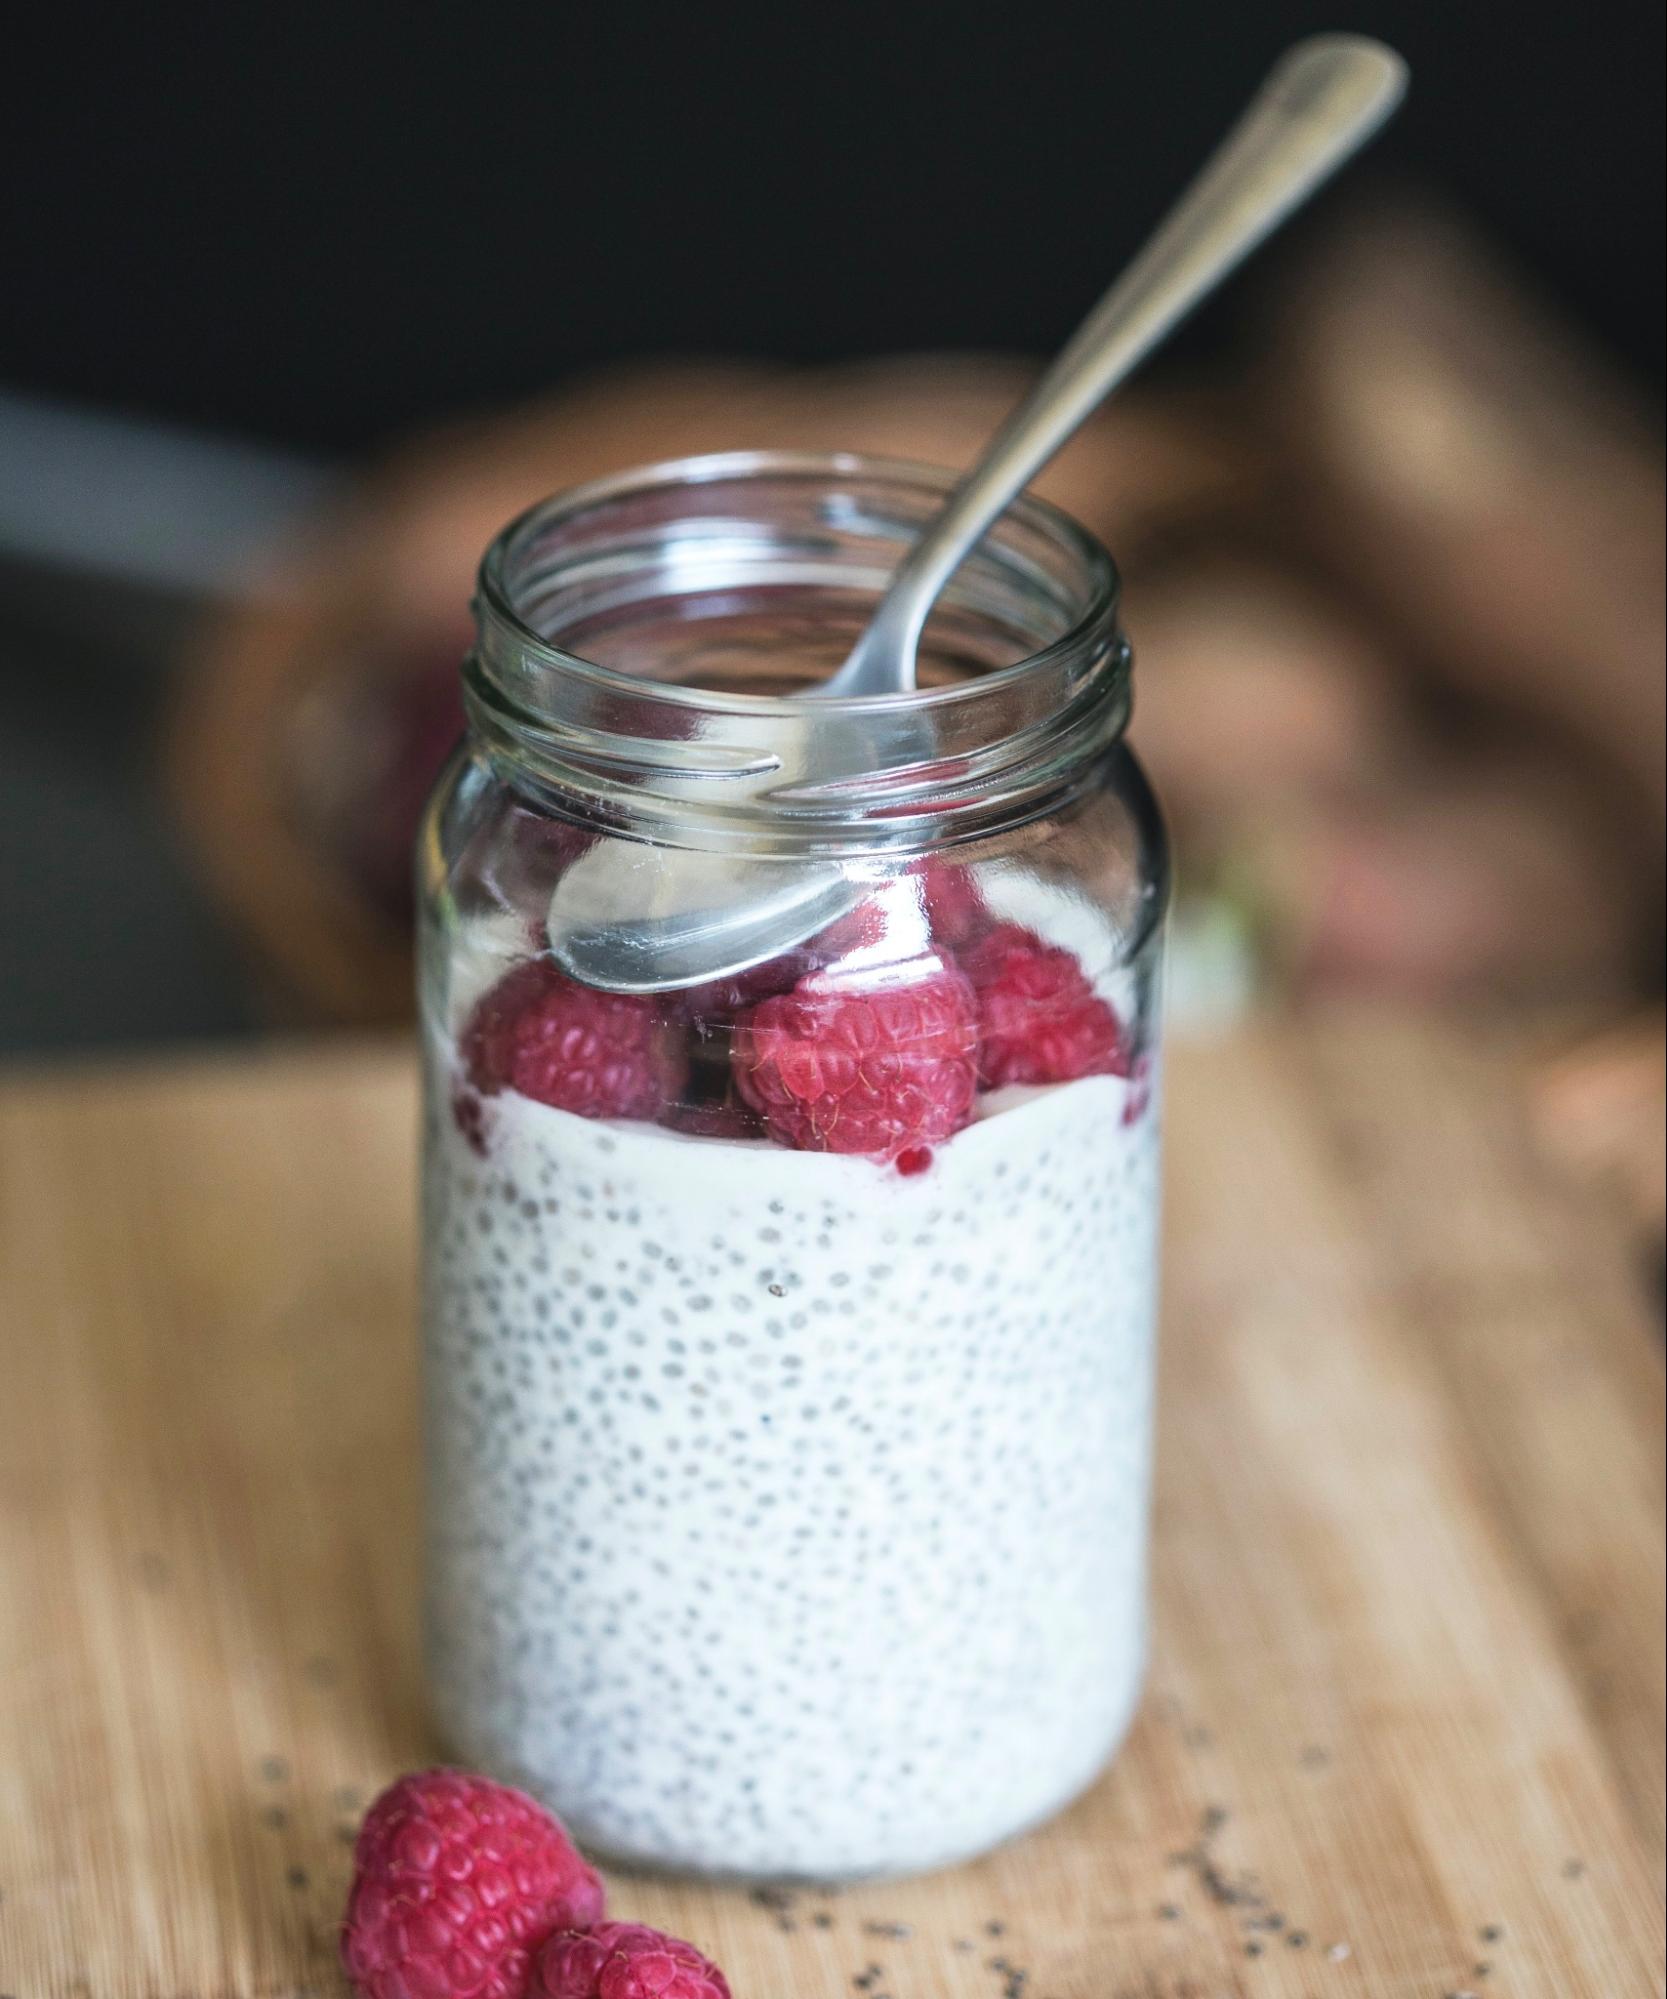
(871, 923)
(625, 1961)
(878, 1072)
(716, 1002)
(1039, 1020)
(469, 1115)
(596, 1054)
(1139, 1100)
(513, 859)
(457, 1882)
(957, 910)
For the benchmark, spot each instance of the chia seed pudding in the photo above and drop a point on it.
(789, 1514)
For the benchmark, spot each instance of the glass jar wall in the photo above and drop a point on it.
(789, 1335)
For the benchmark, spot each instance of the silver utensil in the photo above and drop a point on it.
(649, 920)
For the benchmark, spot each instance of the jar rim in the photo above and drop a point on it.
(663, 759)
(496, 591)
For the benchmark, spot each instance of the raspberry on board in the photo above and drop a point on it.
(596, 1054)
(625, 1961)
(881, 1072)
(1039, 1020)
(457, 1883)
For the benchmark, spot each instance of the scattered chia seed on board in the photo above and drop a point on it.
(1240, 1891)
(1223, 1889)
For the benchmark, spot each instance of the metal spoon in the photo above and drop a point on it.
(713, 915)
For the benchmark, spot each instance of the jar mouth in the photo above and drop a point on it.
(1037, 679)
(502, 569)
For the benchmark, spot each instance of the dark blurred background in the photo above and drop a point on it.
(321, 224)
(248, 250)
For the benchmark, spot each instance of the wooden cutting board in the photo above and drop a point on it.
(1404, 1727)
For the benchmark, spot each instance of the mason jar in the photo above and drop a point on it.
(789, 1335)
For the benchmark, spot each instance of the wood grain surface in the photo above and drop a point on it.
(1403, 1733)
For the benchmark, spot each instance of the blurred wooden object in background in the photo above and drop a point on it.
(1470, 478)
(1599, 1110)
(1467, 466)
(1396, 593)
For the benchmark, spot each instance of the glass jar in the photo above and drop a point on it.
(789, 1339)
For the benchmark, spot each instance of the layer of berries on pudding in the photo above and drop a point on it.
(789, 1386)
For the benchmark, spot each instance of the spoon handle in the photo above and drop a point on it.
(1323, 99)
